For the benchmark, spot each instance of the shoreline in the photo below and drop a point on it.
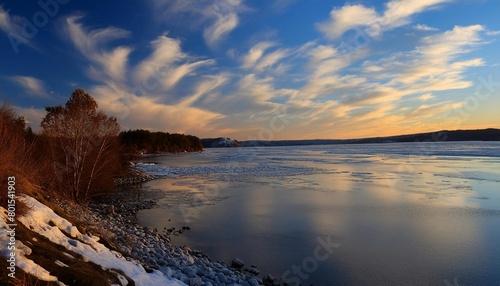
(117, 211)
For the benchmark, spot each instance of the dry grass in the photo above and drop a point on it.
(16, 147)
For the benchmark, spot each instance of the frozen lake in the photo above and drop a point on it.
(377, 214)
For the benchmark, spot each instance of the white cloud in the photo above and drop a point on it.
(282, 5)
(33, 116)
(435, 64)
(493, 33)
(328, 88)
(141, 103)
(8, 24)
(166, 65)
(224, 22)
(271, 59)
(397, 13)
(422, 27)
(166, 51)
(211, 83)
(111, 63)
(31, 85)
(256, 59)
(151, 113)
(12, 25)
(326, 71)
(346, 18)
(425, 97)
(424, 110)
(217, 17)
(356, 99)
(255, 53)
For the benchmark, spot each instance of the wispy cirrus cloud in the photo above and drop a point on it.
(225, 19)
(423, 27)
(397, 13)
(329, 87)
(208, 85)
(144, 101)
(9, 24)
(111, 63)
(326, 71)
(12, 26)
(352, 98)
(167, 64)
(426, 97)
(33, 86)
(255, 53)
(258, 60)
(218, 17)
(435, 64)
(151, 112)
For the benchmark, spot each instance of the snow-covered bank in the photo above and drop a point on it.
(20, 250)
(42, 220)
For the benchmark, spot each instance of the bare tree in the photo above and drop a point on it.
(82, 141)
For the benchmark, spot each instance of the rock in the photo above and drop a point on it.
(237, 263)
(190, 260)
(195, 281)
(184, 279)
(226, 271)
(252, 270)
(187, 249)
(222, 278)
(189, 272)
(148, 230)
(172, 262)
(253, 282)
(111, 209)
(168, 272)
(245, 283)
(268, 279)
(210, 274)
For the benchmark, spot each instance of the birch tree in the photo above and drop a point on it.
(82, 140)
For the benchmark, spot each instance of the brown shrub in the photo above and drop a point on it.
(16, 164)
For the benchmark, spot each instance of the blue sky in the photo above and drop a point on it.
(284, 69)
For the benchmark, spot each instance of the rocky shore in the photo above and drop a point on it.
(113, 218)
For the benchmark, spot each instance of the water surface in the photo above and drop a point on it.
(393, 214)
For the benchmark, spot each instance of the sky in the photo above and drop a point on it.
(268, 70)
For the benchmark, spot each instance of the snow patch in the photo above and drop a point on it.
(26, 264)
(38, 219)
(61, 264)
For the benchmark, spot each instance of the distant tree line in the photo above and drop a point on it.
(143, 141)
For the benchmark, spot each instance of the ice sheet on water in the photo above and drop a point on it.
(476, 175)
(464, 149)
(230, 170)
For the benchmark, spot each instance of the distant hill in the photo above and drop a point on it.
(489, 134)
(219, 142)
